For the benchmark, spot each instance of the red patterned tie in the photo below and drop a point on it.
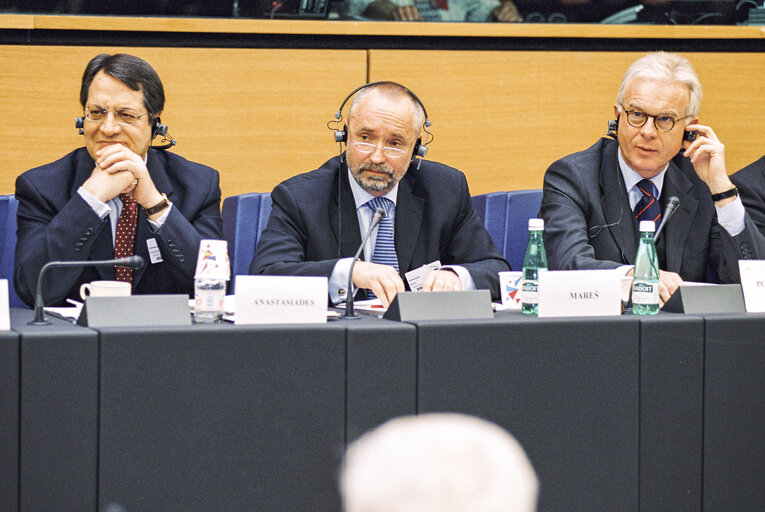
(125, 239)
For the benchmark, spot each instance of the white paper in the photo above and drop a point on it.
(416, 277)
(579, 293)
(280, 299)
(753, 284)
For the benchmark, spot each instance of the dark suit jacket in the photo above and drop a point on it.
(589, 223)
(310, 228)
(750, 182)
(55, 223)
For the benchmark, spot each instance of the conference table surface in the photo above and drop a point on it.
(615, 413)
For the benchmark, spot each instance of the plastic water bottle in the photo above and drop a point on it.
(645, 280)
(208, 300)
(535, 260)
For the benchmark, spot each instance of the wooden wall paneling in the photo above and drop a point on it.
(257, 115)
(504, 117)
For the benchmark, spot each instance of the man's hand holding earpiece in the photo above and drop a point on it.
(707, 154)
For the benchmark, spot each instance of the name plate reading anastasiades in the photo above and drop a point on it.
(5, 312)
(580, 293)
(280, 300)
(753, 284)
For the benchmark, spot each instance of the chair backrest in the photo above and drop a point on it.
(8, 206)
(522, 205)
(506, 217)
(244, 218)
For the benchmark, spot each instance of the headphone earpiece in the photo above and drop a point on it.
(613, 128)
(419, 149)
(79, 123)
(158, 128)
(341, 135)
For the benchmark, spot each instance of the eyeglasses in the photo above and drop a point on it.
(368, 148)
(122, 116)
(662, 122)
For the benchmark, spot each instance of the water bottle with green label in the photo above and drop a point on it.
(645, 279)
(535, 260)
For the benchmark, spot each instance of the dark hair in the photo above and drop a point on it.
(130, 70)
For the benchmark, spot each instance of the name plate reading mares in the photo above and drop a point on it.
(280, 300)
(580, 293)
(753, 284)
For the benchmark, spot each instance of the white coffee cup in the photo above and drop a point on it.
(104, 289)
(510, 283)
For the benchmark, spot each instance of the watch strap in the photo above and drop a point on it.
(158, 207)
(724, 195)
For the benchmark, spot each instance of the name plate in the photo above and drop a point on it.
(580, 293)
(280, 300)
(5, 312)
(753, 284)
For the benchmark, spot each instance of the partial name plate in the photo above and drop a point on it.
(5, 312)
(580, 293)
(753, 284)
(280, 300)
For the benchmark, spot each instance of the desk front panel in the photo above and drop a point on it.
(734, 412)
(567, 389)
(222, 417)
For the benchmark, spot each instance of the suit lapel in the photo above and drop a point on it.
(343, 217)
(103, 246)
(409, 208)
(677, 230)
(615, 205)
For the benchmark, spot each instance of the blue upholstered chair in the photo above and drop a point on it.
(244, 217)
(8, 206)
(506, 217)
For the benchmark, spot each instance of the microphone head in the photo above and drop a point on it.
(379, 212)
(674, 202)
(130, 262)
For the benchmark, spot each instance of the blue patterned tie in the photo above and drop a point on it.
(385, 249)
(647, 208)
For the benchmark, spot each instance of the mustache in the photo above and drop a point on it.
(381, 167)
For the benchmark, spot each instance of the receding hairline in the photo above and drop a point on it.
(390, 90)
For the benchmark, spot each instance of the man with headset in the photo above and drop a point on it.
(318, 218)
(153, 203)
(593, 199)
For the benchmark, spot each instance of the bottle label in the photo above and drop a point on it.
(209, 300)
(530, 292)
(645, 292)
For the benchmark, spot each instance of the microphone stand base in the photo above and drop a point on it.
(349, 317)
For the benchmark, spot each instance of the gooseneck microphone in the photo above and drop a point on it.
(134, 262)
(349, 314)
(674, 202)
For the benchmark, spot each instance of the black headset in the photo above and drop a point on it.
(157, 128)
(341, 136)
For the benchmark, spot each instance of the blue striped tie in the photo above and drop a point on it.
(385, 248)
(647, 208)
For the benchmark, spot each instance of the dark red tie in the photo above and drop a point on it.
(125, 239)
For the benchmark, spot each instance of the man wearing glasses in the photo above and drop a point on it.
(318, 218)
(593, 200)
(117, 196)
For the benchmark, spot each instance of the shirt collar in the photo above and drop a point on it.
(632, 178)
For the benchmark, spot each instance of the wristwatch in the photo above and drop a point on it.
(724, 195)
(158, 207)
